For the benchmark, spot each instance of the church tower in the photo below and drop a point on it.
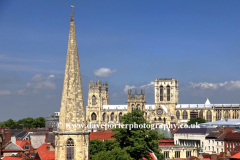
(72, 139)
(136, 101)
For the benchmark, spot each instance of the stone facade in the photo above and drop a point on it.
(72, 142)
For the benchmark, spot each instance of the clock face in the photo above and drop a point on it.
(159, 111)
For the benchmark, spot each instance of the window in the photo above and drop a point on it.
(212, 148)
(138, 107)
(185, 115)
(208, 141)
(161, 93)
(166, 154)
(208, 148)
(201, 114)
(221, 150)
(178, 114)
(120, 115)
(221, 143)
(193, 114)
(212, 141)
(93, 100)
(70, 149)
(177, 154)
(202, 144)
(209, 116)
(133, 107)
(168, 93)
(112, 116)
(217, 150)
(188, 153)
(217, 143)
(94, 116)
(27, 147)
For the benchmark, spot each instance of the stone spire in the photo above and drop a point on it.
(72, 106)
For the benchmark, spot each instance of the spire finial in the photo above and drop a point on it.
(72, 7)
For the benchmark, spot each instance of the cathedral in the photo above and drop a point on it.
(165, 110)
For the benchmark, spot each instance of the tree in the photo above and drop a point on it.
(39, 122)
(197, 120)
(97, 146)
(117, 154)
(137, 141)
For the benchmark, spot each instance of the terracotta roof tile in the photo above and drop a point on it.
(232, 135)
(43, 147)
(236, 156)
(12, 158)
(101, 135)
(47, 155)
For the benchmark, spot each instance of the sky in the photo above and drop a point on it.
(127, 43)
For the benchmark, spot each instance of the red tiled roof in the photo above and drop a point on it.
(232, 135)
(21, 143)
(166, 142)
(178, 159)
(101, 135)
(47, 155)
(152, 156)
(43, 147)
(12, 158)
(237, 156)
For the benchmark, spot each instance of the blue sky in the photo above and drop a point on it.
(127, 43)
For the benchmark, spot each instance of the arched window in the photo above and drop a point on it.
(159, 118)
(155, 119)
(185, 115)
(201, 114)
(145, 115)
(178, 114)
(138, 107)
(94, 116)
(104, 117)
(70, 149)
(93, 100)
(209, 116)
(120, 115)
(168, 93)
(164, 120)
(112, 116)
(133, 107)
(161, 93)
(226, 114)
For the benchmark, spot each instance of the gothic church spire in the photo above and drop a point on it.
(72, 106)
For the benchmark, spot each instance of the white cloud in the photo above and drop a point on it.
(228, 85)
(41, 82)
(127, 87)
(151, 84)
(5, 92)
(51, 76)
(22, 92)
(104, 72)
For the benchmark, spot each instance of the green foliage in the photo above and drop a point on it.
(117, 154)
(197, 120)
(24, 123)
(97, 146)
(137, 141)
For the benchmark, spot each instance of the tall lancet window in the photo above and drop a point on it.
(93, 100)
(94, 116)
(70, 149)
(120, 115)
(112, 116)
(168, 93)
(161, 93)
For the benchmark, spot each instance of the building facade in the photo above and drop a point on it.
(166, 108)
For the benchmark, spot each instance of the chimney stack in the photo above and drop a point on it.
(50, 129)
(46, 140)
(7, 137)
(48, 148)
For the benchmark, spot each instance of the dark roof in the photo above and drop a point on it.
(195, 130)
(221, 137)
(212, 135)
